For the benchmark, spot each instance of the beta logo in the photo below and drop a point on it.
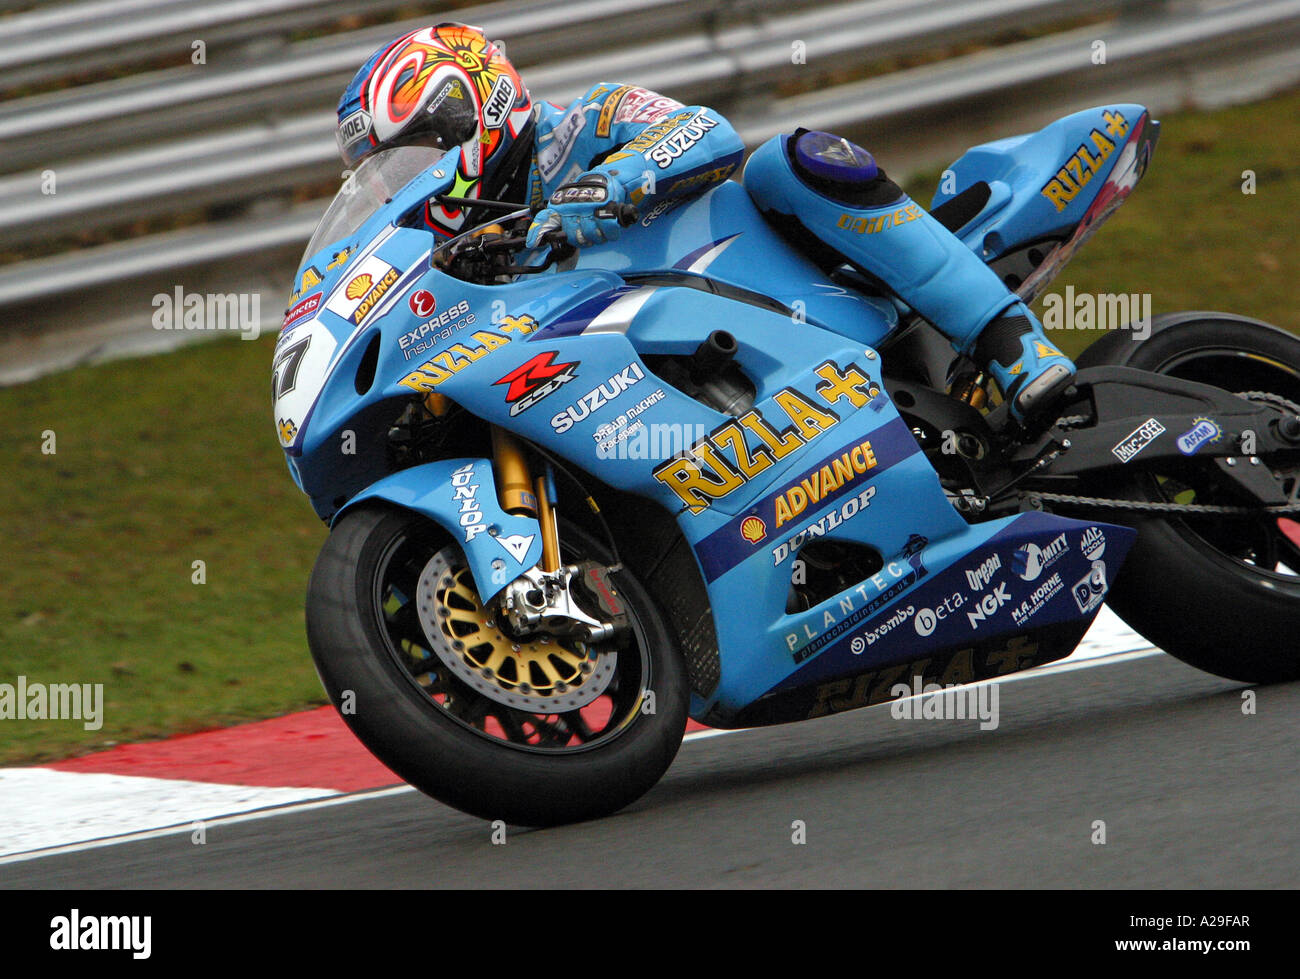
(534, 379)
(422, 303)
(928, 619)
(753, 529)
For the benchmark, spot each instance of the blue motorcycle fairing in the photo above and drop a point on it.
(1022, 598)
(564, 359)
(460, 495)
(1045, 184)
(720, 237)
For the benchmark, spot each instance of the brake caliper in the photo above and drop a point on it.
(574, 600)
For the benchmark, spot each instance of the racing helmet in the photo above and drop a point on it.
(441, 87)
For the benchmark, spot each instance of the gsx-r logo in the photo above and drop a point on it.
(534, 379)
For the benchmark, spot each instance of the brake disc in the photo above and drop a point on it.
(539, 675)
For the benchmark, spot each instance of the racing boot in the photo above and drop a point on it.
(1031, 373)
(815, 185)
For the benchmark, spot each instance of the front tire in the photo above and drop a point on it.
(1220, 594)
(450, 740)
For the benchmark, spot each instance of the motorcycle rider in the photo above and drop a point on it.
(448, 85)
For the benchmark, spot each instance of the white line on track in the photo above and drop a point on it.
(1082, 660)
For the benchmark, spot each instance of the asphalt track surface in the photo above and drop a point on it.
(1193, 793)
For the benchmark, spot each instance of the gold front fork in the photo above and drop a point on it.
(520, 494)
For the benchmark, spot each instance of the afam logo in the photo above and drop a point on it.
(534, 379)
(1202, 433)
(753, 529)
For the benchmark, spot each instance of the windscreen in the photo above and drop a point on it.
(377, 179)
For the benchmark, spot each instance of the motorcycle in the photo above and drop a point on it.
(576, 497)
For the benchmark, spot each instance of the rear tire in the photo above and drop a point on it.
(353, 617)
(1215, 594)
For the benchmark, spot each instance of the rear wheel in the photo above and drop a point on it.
(532, 730)
(1222, 594)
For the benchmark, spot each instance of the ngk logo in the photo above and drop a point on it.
(988, 605)
(981, 576)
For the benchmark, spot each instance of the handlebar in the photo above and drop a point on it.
(472, 240)
(625, 214)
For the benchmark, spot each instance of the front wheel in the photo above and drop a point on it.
(1222, 594)
(534, 730)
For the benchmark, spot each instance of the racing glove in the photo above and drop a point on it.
(586, 210)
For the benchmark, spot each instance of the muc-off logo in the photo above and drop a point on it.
(979, 578)
(534, 379)
(1030, 560)
(1138, 439)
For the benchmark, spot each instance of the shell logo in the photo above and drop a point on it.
(359, 286)
(753, 529)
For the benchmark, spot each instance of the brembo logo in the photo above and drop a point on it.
(534, 379)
